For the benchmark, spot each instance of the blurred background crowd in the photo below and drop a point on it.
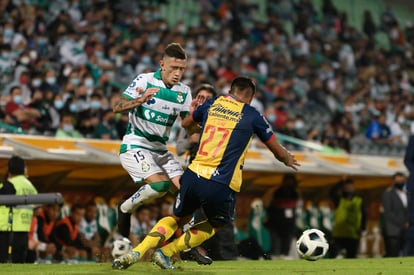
(321, 79)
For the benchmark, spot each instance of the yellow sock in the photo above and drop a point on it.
(190, 238)
(161, 231)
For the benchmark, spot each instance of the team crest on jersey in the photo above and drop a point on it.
(145, 167)
(148, 114)
(180, 97)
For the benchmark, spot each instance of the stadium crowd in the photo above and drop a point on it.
(64, 62)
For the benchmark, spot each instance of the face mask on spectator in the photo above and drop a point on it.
(42, 41)
(299, 124)
(6, 55)
(8, 33)
(59, 104)
(25, 60)
(271, 118)
(67, 128)
(401, 120)
(399, 185)
(75, 81)
(73, 108)
(17, 99)
(67, 71)
(95, 105)
(51, 80)
(89, 82)
(33, 55)
(36, 82)
(23, 79)
(146, 60)
(99, 54)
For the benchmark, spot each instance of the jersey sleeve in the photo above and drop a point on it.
(262, 128)
(203, 108)
(139, 82)
(185, 111)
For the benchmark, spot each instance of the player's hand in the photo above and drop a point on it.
(147, 94)
(199, 100)
(292, 162)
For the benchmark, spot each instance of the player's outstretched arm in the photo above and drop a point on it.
(190, 126)
(282, 154)
(125, 104)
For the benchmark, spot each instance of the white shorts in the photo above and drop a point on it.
(141, 163)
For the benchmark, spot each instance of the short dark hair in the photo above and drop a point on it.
(175, 50)
(398, 174)
(16, 165)
(244, 84)
(14, 88)
(207, 87)
(76, 206)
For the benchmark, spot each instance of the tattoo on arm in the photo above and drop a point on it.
(125, 104)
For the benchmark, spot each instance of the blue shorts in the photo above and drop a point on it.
(216, 199)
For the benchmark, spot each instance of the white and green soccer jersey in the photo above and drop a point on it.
(150, 124)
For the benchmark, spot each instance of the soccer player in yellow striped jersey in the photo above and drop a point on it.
(213, 178)
(154, 101)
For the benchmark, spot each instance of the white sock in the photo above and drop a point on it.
(143, 194)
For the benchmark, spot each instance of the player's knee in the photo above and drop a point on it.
(206, 227)
(161, 186)
(217, 224)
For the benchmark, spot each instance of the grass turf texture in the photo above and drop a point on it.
(378, 266)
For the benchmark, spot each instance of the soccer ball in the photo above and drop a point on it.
(312, 245)
(121, 247)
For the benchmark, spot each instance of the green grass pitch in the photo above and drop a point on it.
(376, 266)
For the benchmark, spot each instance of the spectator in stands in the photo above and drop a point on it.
(68, 238)
(395, 216)
(280, 204)
(44, 45)
(368, 25)
(44, 123)
(67, 127)
(14, 237)
(50, 82)
(89, 235)
(378, 131)
(18, 114)
(106, 128)
(290, 130)
(43, 235)
(21, 80)
(280, 113)
(6, 66)
(71, 50)
(349, 219)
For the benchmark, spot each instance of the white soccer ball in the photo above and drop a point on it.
(312, 245)
(121, 247)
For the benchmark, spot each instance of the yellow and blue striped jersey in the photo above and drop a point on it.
(227, 130)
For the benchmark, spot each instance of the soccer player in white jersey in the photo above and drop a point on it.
(154, 101)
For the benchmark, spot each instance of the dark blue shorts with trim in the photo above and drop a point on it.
(216, 199)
